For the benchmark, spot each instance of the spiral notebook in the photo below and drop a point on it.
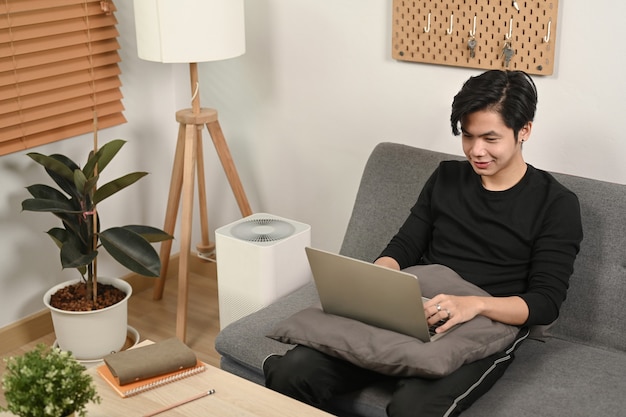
(138, 387)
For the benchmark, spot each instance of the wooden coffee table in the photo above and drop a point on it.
(234, 396)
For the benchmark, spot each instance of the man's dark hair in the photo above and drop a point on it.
(512, 94)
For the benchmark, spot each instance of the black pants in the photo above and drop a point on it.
(315, 378)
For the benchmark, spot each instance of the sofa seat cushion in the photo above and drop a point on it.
(552, 378)
(555, 378)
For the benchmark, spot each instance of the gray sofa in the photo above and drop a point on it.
(578, 369)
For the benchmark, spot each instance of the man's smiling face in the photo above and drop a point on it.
(493, 150)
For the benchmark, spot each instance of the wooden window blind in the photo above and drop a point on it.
(58, 71)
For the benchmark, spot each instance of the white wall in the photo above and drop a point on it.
(301, 111)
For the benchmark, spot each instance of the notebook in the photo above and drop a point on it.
(370, 293)
(140, 386)
(149, 365)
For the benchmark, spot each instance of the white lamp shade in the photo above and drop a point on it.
(186, 31)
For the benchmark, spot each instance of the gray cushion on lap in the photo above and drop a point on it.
(393, 353)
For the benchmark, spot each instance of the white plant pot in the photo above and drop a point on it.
(91, 335)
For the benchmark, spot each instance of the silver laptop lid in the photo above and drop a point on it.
(370, 293)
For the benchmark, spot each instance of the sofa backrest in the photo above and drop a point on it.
(392, 179)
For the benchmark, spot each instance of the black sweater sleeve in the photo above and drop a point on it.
(552, 259)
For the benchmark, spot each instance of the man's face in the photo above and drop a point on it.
(492, 149)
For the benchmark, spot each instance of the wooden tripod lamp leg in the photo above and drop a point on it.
(205, 248)
(171, 213)
(189, 167)
(229, 167)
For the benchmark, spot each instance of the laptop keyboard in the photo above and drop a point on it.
(431, 329)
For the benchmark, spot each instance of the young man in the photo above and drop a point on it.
(500, 223)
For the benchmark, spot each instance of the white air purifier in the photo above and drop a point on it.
(259, 259)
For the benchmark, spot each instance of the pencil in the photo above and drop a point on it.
(188, 400)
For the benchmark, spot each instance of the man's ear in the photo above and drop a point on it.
(524, 132)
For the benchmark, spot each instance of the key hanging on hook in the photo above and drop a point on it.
(471, 45)
(471, 42)
(507, 53)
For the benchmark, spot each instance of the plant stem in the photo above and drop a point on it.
(94, 243)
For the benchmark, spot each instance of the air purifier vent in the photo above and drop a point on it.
(263, 230)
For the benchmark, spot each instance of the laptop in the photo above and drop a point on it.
(370, 293)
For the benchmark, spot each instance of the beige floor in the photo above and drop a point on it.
(156, 320)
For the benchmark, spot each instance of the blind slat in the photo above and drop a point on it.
(37, 85)
(53, 40)
(57, 68)
(30, 108)
(44, 57)
(29, 5)
(65, 132)
(58, 121)
(28, 12)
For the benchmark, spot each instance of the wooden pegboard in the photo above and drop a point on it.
(534, 50)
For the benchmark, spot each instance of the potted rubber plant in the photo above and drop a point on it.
(80, 240)
(47, 382)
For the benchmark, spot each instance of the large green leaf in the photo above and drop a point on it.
(53, 164)
(151, 234)
(74, 254)
(61, 179)
(75, 223)
(114, 186)
(49, 205)
(68, 211)
(61, 237)
(103, 156)
(48, 199)
(46, 192)
(58, 235)
(132, 251)
(79, 181)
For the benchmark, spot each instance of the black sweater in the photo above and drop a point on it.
(522, 241)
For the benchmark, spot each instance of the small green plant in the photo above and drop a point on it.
(47, 382)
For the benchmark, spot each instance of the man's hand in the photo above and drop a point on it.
(388, 262)
(452, 309)
(459, 309)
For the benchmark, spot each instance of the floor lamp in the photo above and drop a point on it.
(191, 31)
